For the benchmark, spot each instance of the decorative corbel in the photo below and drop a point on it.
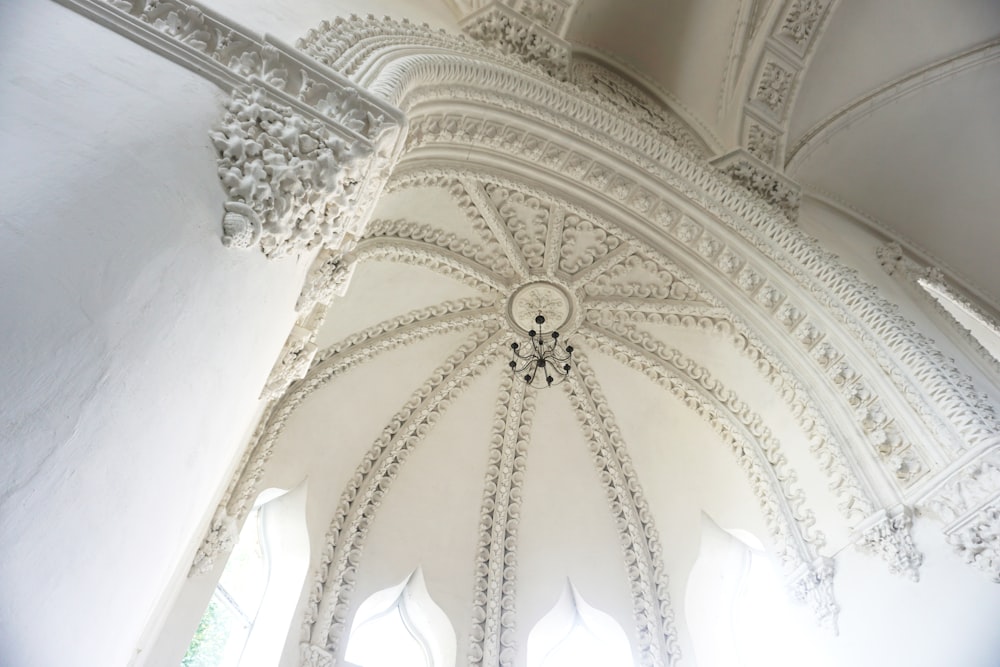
(531, 30)
(751, 173)
(887, 535)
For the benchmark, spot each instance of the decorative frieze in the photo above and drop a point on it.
(774, 85)
(636, 103)
(801, 20)
(761, 142)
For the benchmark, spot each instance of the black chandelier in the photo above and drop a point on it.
(546, 358)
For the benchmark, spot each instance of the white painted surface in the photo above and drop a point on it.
(137, 345)
(134, 342)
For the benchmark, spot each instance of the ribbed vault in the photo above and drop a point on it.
(499, 235)
(522, 178)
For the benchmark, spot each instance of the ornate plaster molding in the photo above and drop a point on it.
(358, 48)
(334, 360)
(968, 501)
(328, 607)
(643, 285)
(757, 451)
(917, 276)
(921, 376)
(303, 151)
(773, 69)
(888, 535)
(746, 170)
(737, 266)
(524, 32)
(492, 640)
(978, 541)
(643, 553)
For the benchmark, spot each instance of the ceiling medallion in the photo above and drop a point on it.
(539, 309)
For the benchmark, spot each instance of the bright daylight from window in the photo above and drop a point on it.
(223, 631)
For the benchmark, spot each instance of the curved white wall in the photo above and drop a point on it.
(134, 343)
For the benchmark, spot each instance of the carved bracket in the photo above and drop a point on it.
(887, 535)
(303, 151)
(748, 171)
(968, 501)
(814, 587)
(525, 32)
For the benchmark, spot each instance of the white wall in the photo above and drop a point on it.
(134, 343)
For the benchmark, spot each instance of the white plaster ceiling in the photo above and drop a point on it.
(923, 164)
(682, 46)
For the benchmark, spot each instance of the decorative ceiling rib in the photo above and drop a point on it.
(540, 169)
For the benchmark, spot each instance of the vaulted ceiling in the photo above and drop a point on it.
(892, 116)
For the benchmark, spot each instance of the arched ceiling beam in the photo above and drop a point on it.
(775, 64)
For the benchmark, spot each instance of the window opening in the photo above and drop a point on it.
(983, 330)
(401, 626)
(738, 608)
(247, 618)
(575, 634)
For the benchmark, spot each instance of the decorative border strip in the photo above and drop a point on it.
(643, 554)
(334, 360)
(327, 609)
(492, 639)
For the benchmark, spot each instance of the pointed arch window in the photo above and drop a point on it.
(401, 626)
(575, 634)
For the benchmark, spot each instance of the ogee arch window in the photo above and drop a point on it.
(401, 626)
(574, 634)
